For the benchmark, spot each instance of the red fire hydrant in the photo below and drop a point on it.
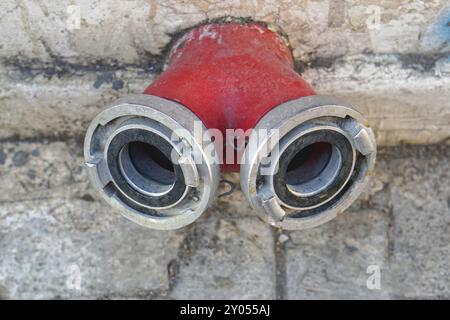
(303, 158)
(230, 75)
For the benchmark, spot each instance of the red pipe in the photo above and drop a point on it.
(230, 75)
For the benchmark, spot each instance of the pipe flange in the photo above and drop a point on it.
(146, 156)
(306, 161)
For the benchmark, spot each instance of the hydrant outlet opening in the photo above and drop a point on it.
(150, 162)
(146, 168)
(308, 163)
(151, 186)
(313, 169)
(327, 163)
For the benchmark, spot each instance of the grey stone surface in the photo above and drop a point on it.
(401, 225)
(81, 31)
(230, 259)
(62, 63)
(417, 202)
(330, 262)
(58, 240)
(76, 249)
(59, 106)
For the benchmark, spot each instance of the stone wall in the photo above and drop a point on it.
(62, 61)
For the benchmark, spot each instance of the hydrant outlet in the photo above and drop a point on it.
(229, 100)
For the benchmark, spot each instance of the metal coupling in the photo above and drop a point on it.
(313, 163)
(140, 153)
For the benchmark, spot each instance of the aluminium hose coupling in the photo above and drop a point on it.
(312, 166)
(157, 156)
(140, 153)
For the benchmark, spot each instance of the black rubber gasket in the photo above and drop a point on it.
(140, 135)
(329, 136)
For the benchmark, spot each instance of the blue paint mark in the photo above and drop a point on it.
(437, 36)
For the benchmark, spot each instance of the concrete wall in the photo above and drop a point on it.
(84, 31)
(62, 61)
